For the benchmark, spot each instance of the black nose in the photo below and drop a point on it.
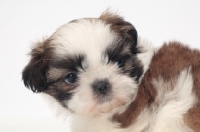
(101, 86)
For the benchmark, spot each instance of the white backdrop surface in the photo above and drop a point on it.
(25, 21)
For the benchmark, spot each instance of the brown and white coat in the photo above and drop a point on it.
(144, 90)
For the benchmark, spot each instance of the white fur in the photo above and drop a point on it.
(90, 37)
(147, 52)
(172, 104)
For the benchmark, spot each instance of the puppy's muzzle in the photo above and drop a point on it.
(101, 86)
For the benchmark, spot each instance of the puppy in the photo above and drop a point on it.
(110, 80)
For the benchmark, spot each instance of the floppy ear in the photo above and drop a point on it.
(34, 74)
(123, 28)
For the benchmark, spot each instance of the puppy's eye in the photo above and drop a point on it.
(120, 63)
(70, 78)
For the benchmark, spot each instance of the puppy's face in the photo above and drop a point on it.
(89, 65)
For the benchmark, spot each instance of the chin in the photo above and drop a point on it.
(111, 80)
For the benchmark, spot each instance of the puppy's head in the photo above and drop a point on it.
(89, 65)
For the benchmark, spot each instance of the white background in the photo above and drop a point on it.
(25, 21)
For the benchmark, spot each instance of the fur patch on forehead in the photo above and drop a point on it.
(82, 36)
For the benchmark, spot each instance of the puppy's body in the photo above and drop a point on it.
(110, 81)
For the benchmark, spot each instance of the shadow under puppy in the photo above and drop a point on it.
(111, 81)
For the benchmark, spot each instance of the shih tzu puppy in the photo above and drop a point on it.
(110, 80)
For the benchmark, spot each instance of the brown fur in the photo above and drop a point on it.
(192, 118)
(119, 26)
(56, 83)
(34, 74)
(167, 63)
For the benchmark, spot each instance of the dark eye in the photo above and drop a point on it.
(120, 63)
(70, 78)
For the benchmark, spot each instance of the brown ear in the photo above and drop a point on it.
(123, 28)
(34, 74)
